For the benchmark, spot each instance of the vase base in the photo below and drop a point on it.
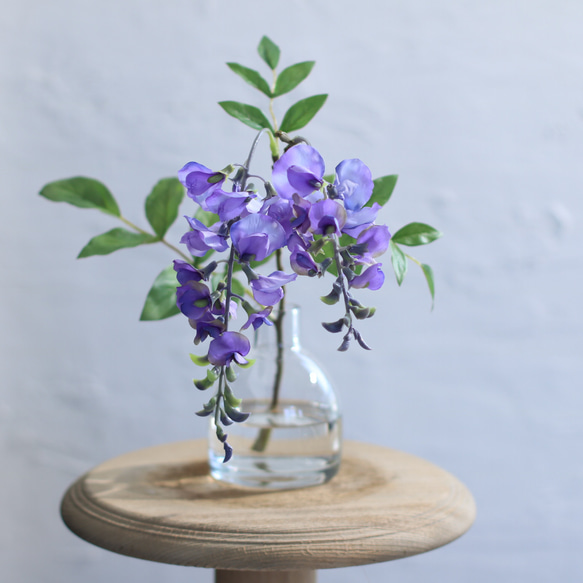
(277, 472)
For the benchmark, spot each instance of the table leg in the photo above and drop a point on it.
(265, 576)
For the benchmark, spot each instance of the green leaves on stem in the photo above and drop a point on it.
(113, 240)
(82, 192)
(161, 299)
(297, 116)
(413, 235)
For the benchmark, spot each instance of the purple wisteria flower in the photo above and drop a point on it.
(256, 237)
(376, 240)
(186, 272)
(300, 170)
(195, 177)
(194, 299)
(207, 325)
(353, 184)
(227, 347)
(303, 263)
(228, 205)
(202, 238)
(257, 319)
(371, 278)
(327, 217)
(267, 290)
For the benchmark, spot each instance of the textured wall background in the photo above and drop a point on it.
(478, 107)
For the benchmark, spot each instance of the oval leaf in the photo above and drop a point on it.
(113, 240)
(162, 204)
(383, 188)
(428, 272)
(161, 299)
(252, 77)
(248, 114)
(291, 77)
(82, 192)
(269, 52)
(399, 261)
(415, 234)
(300, 114)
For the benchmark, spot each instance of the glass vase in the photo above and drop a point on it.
(293, 436)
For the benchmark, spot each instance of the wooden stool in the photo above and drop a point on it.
(160, 504)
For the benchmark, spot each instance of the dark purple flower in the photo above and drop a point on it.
(227, 347)
(257, 319)
(256, 237)
(267, 290)
(186, 272)
(206, 326)
(195, 178)
(202, 238)
(303, 264)
(300, 170)
(193, 299)
(376, 239)
(353, 183)
(327, 217)
(372, 278)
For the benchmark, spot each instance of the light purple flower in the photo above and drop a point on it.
(256, 237)
(227, 347)
(228, 205)
(372, 278)
(257, 319)
(303, 263)
(327, 217)
(376, 239)
(195, 178)
(267, 290)
(353, 183)
(202, 238)
(358, 221)
(300, 170)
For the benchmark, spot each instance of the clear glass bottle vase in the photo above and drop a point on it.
(293, 436)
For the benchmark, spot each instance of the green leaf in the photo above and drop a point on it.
(415, 234)
(269, 52)
(113, 240)
(299, 114)
(82, 192)
(252, 77)
(383, 188)
(330, 178)
(161, 299)
(399, 261)
(237, 287)
(428, 272)
(206, 217)
(162, 204)
(248, 114)
(291, 77)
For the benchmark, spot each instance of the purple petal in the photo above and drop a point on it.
(372, 278)
(228, 346)
(257, 236)
(358, 221)
(376, 239)
(299, 170)
(186, 272)
(327, 216)
(353, 183)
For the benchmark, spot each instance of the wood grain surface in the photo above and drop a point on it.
(160, 504)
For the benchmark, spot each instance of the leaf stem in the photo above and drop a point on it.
(161, 240)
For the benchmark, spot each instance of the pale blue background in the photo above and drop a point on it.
(478, 106)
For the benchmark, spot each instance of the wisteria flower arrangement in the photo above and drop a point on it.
(249, 237)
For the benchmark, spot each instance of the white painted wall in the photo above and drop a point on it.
(479, 108)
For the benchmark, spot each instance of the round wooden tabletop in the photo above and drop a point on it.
(160, 504)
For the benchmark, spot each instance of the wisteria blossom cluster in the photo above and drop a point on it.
(323, 224)
(299, 212)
